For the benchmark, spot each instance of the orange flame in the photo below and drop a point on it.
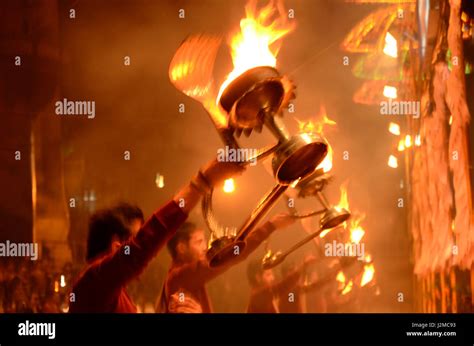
(343, 201)
(251, 47)
(341, 277)
(368, 275)
(317, 127)
(348, 288)
(356, 230)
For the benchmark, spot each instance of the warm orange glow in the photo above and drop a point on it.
(326, 164)
(394, 129)
(417, 140)
(341, 277)
(390, 92)
(160, 181)
(325, 232)
(392, 162)
(348, 288)
(229, 186)
(390, 47)
(368, 274)
(407, 141)
(401, 145)
(343, 201)
(255, 44)
(56, 286)
(318, 127)
(357, 234)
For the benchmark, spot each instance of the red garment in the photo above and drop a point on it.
(191, 278)
(101, 286)
(262, 298)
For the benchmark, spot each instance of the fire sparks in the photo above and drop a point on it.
(394, 129)
(252, 46)
(390, 48)
(229, 185)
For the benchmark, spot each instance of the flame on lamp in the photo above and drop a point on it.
(317, 127)
(252, 46)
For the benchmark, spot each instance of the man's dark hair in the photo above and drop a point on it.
(254, 268)
(129, 212)
(103, 226)
(183, 234)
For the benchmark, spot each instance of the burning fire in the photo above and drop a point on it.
(356, 230)
(343, 287)
(348, 288)
(229, 185)
(343, 201)
(259, 32)
(341, 277)
(368, 275)
(318, 127)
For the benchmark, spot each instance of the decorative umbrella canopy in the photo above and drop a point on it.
(370, 33)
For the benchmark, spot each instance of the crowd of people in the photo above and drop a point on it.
(28, 286)
(121, 244)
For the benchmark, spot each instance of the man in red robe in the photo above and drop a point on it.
(116, 255)
(189, 271)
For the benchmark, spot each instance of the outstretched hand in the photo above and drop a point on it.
(215, 172)
(183, 304)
